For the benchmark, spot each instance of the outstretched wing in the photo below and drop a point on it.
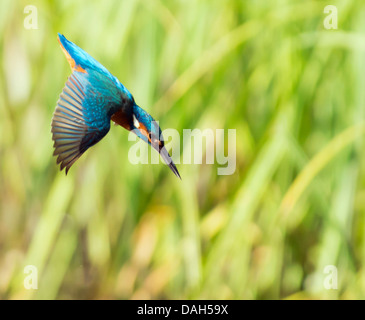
(82, 116)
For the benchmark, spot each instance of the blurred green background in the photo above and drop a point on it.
(292, 89)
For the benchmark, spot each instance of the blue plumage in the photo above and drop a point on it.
(87, 62)
(91, 98)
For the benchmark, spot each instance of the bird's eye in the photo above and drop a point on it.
(150, 136)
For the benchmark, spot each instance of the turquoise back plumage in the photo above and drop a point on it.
(87, 62)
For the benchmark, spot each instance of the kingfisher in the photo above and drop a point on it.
(91, 99)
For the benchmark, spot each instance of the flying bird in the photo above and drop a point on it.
(91, 98)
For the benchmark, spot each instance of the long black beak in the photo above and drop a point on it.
(166, 157)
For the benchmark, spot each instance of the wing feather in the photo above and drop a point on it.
(75, 127)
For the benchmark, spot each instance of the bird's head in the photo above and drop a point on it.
(146, 128)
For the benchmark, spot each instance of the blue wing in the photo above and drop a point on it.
(82, 115)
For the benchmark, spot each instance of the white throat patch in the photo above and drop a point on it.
(135, 122)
